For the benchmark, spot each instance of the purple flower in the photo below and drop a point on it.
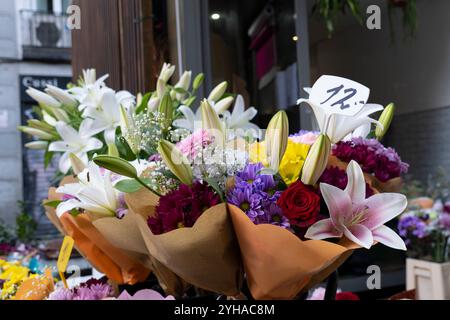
(444, 221)
(273, 215)
(244, 197)
(373, 157)
(412, 225)
(122, 209)
(62, 294)
(250, 173)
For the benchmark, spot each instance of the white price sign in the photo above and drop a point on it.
(339, 95)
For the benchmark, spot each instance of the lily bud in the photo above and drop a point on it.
(43, 98)
(385, 120)
(153, 104)
(218, 92)
(36, 132)
(166, 72)
(198, 81)
(61, 115)
(175, 161)
(160, 88)
(76, 163)
(212, 123)
(112, 150)
(166, 109)
(222, 105)
(185, 81)
(48, 118)
(63, 96)
(41, 125)
(116, 165)
(37, 145)
(317, 160)
(276, 139)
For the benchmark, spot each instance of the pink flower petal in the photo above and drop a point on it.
(338, 202)
(359, 234)
(383, 207)
(323, 229)
(388, 237)
(356, 186)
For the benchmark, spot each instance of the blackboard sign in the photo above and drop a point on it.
(40, 83)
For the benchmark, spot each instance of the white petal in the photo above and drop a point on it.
(319, 113)
(339, 204)
(383, 207)
(64, 163)
(70, 189)
(359, 234)
(67, 133)
(110, 135)
(88, 128)
(388, 237)
(59, 146)
(323, 229)
(356, 186)
(66, 206)
(93, 144)
(109, 191)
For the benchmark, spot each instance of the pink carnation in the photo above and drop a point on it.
(194, 144)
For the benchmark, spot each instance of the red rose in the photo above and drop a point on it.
(346, 296)
(300, 204)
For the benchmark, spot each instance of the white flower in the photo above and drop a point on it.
(62, 95)
(240, 118)
(362, 131)
(78, 143)
(43, 98)
(337, 126)
(89, 91)
(94, 192)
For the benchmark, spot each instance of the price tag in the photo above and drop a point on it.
(339, 95)
(64, 257)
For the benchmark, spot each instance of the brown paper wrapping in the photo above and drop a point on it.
(278, 264)
(392, 185)
(205, 255)
(115, 248)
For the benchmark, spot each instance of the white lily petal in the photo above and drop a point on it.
(356, 185)
(66, 206)
(59, 146)
(67, 133)
(109, 191)
(338, 202)
(359, 234)
(388, 237)
(64, 163)
(93, 144)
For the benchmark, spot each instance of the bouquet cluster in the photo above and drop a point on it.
(195, 198)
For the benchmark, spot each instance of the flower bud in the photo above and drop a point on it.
(153, 104)
(116, 165)
(184, 82)
(212, 123)
(48, 118)
(166, 109)
(62, 95)
(36, 133)
(76, 163)
(316, 161)
(43, 98)
(41, 125)
(276, 140)
(166, 72)
(198, 81)
(175, 161)
(218, 92)
(223, 105)
(60, 115)
(385, 120)
(37, 145)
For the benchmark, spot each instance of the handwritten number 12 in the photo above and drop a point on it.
(351, 92)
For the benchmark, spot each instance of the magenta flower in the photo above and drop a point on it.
(182, 207)
(338, 178)
(359, 219)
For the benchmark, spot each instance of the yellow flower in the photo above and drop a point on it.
(291, 164)
(13, 274)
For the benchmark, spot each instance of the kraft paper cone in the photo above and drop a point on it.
(205, 255)
(37, 288)
(117, 264)
(392, 185)
(279, 265)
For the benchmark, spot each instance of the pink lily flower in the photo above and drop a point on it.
(359, 219)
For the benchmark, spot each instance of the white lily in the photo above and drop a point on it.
(90, 88)
(183, 83)
(337, 126)
(359, 219)
(153, 104)
(37, 145)
(362, 131)
(43, 98)
(94, 193)
(48, 118)
(78, 143)
(106, 116)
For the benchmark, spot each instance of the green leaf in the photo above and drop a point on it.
(143, 106)
(125, 151)
(189, 101)
(213, 184)
(116, 165)
(128, 186)
(52, 203)
(48, 156)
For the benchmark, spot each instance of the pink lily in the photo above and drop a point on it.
(359, 219)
